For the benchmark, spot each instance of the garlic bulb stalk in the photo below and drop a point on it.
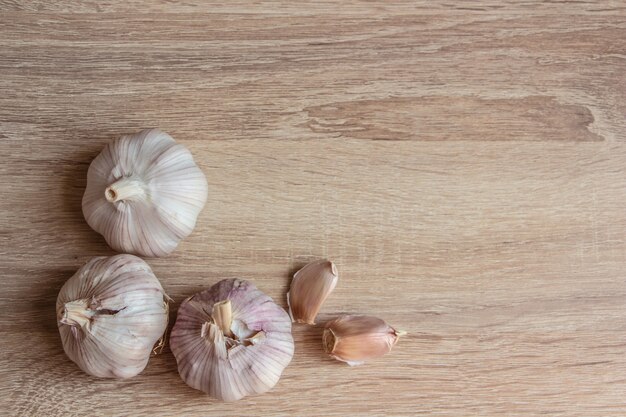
(355, 339)
(144, 193)
(223, 317)
(130, 188)
(110, 314)
(309, 289)
(231, 340)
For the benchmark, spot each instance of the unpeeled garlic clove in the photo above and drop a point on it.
(231, 340)
(110, 314)
(309, 289)
(355, 339)
(144, 193)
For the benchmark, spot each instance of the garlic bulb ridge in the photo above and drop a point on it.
(231, 340)
(144, 193)
(110, 314)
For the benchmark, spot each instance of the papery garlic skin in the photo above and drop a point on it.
(310, 287)
(144, 193)
(355, 339)
(110, 314)
(230, 368)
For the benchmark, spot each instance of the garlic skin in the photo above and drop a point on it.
(309, 289)
(144, 193)
(231, 340)
(355, 339)
(110, 314)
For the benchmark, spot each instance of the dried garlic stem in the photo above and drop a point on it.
(76, 313)
(126, 188)
(223, 316)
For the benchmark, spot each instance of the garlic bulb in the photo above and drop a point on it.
(231, 340)
(144, 193)
(110, 314)
(355, 339)
(309, 289)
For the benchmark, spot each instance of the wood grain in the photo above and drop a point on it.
(463, 166)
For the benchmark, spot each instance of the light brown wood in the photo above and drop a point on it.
(462, 165)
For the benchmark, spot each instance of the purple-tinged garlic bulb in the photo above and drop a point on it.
(309, 289)
(231, 340)
(110, 314)
(144, 193)
(355, 339)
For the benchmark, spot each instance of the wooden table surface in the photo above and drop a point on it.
(464, 166)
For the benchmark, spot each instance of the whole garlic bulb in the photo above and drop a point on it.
(144, 193)
(231, 340)
(110, 314)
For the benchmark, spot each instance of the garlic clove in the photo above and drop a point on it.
(355, 339)
(110, 314)
(231, 340)
(144, 193)
(309, 289)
